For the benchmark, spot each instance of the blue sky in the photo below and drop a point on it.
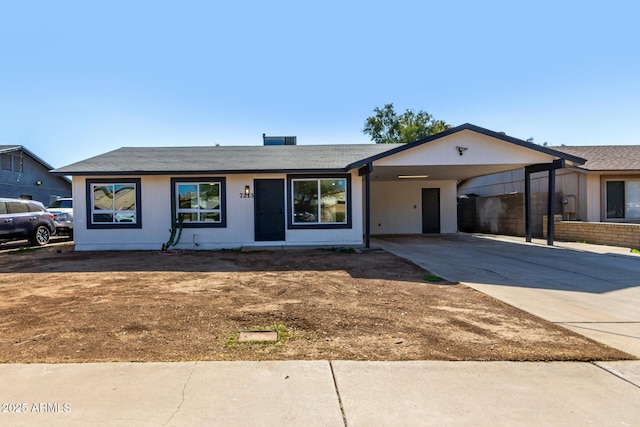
(78, 79)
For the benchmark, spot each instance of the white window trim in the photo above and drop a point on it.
(318, 212)
(199, 210)
(91, 184)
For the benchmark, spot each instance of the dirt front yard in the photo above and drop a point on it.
(57, 305)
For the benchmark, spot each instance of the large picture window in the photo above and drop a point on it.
(319, 202)
(199, 202)
(623, 200)
(113, 204)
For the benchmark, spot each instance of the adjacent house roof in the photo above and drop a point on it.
(5, 149)
(260, 159)
(606, 157)
(12, 148)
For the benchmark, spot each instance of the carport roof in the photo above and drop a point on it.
(262, 159)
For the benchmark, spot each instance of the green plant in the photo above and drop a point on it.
(635, 251)
(340, 250)
(346, 250)
(22, 250)
(176, 226)
(432, 278)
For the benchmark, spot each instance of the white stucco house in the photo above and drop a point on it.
(286, 195)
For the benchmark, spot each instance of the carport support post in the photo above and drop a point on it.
(551, 206)
(528, 170)
(527, 204)
(367, 201)
(366, 171)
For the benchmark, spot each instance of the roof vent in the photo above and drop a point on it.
(279, 140)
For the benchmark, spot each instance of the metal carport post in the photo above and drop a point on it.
(528, 170)
(366, 171)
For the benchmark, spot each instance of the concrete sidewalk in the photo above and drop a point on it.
(322, 393)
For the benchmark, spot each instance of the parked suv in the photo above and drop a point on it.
(62, 209)
(25, 219)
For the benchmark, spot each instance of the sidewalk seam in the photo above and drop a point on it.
(184, 388)
(335, 386)
(615, 375)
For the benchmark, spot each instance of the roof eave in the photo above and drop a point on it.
(199, 172)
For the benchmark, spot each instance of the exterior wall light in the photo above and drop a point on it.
(247, 193)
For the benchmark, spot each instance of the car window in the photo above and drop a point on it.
(17, 207)
(65, 204)
(3, 208)
(33, 208)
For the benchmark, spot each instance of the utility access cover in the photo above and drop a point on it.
(258, 336)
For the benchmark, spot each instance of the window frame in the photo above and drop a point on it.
(11, 163)
(113, 181)
(625, 198)
(318, 225)
(200, 180)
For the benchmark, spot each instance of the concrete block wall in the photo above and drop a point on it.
(503, 214)
(602, 233)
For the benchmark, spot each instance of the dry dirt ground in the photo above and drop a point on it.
(57, 305)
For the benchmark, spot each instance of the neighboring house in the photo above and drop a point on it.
(604, 189)
(285, 195)
(23, 175)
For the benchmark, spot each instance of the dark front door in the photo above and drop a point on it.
(269, 209)
(431, 210)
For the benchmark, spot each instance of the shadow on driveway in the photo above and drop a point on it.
(468, 258)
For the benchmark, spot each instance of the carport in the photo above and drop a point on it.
(412, 189)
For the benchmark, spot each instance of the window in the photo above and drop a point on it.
(10, 163)
(199, 202)
(623, 200)
(113, 203)
(320, 202)
(17, 164)
(5, 162)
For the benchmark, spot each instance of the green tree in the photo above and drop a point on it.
(387, 127)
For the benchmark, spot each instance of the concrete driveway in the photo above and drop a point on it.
(592, 290)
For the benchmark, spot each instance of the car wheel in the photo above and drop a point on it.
(41, 236)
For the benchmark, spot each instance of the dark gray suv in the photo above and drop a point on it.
(25, 219)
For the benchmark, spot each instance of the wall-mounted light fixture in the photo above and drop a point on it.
(247, 193)
(461, 150)
(39, 182)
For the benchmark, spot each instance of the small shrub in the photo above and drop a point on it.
(432, 278)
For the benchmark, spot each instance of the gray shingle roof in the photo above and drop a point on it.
(221, 159)
(260, 159)
(606, 157)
